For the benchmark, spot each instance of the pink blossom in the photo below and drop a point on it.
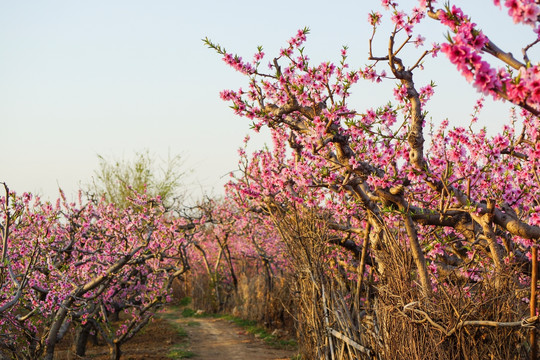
(419, 41)
(398, 18)
(374, 18)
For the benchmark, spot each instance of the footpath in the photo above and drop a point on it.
(215, 338)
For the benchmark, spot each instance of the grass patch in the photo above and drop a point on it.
(188, 312)
(172, 314)
(181, 331)
(193, 323)
(180, 352)
(258, 331)
(185, 301)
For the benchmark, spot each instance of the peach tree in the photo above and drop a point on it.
(432, 224)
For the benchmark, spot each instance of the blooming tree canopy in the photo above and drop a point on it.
(67, 265)
(463, 203)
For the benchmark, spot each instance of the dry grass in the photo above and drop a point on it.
(258, 298)
(338, 312)
(389, 317)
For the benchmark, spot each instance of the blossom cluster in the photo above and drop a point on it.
(468, 48)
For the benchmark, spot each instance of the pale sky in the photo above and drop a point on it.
(81, 78)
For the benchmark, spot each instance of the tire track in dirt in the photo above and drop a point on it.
(219, 339)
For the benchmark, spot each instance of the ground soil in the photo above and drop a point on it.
(153, 343)
(207, 339)
(220, 339)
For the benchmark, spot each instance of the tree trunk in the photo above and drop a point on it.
(114, 351)
(81, 339)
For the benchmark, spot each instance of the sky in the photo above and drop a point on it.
(82, 78)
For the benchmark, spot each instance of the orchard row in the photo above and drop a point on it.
(404, 237)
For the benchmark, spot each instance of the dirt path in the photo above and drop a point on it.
(220, 339)
(165, 339)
